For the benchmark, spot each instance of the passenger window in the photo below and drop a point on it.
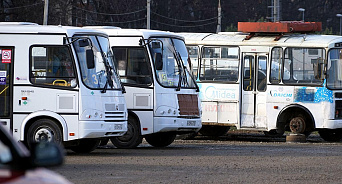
(219, 64)
(193, 54)
(132, 65)
(276, 64)
(52, 65)
(303, 65)
(262, 73)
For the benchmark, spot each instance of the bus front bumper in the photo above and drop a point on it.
(98, 129)
(172, 124)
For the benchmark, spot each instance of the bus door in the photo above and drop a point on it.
(6, 57)
(253, 97)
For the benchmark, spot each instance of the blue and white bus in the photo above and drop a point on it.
(270, 83)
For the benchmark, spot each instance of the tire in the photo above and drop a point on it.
(208, 130)
(296, 138)
(131, 139)
(331, 135)
(86, 145)
(160, 139)
(44, 130)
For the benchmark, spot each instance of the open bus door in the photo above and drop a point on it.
(6, 57)
(253, 97)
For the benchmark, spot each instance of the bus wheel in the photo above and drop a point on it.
(297, 125)
(44, 130)
(86, 145)
(331, 135)
(160, 139)
(208, 130)
(131, 139)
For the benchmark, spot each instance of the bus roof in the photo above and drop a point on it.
(145, 33)
(33, 28)
(238, 38)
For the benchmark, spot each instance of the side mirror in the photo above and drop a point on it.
(156, 45)
(46, 154)
(90, 59)
(83, 43)
(318, 67)
(318, 72)
(158, 61)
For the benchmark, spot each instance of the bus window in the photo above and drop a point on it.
(276, 63)
(334, 73)
(5, 83)
(193, 54)
(248, 75)
(262, 71)
(132, 65)
(52, 65)
(302, 65)
(219, 64)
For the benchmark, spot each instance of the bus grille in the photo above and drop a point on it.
(114, 115)
(188, 104)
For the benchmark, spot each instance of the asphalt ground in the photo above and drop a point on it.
(238, 157)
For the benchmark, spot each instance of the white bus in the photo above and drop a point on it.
(58, 84)
(272, 83)
(162, 98)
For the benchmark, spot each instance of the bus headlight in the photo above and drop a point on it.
(167, 111)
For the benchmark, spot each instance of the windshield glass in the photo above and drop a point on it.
(334, 73)
(98, 74)
(173, 65)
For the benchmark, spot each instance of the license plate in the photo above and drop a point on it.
(191, 123)
(117, 127)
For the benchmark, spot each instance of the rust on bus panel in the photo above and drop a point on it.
(188, 104)
(279, 27)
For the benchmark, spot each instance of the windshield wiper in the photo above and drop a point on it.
(109, 74)
(192, 77)
(179, 70)
(105, 87)
(183, 76)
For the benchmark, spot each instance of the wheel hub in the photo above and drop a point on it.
(297, 125)
(43, 135)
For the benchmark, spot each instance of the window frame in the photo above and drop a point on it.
(32, 77)
(295, 82)
(149, 67)
(201, 57)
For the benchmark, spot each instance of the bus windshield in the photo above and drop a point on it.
(334, 73)
(102, 74)
(173, 66)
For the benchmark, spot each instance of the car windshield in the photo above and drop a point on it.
(101, 74)
(173, 66)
